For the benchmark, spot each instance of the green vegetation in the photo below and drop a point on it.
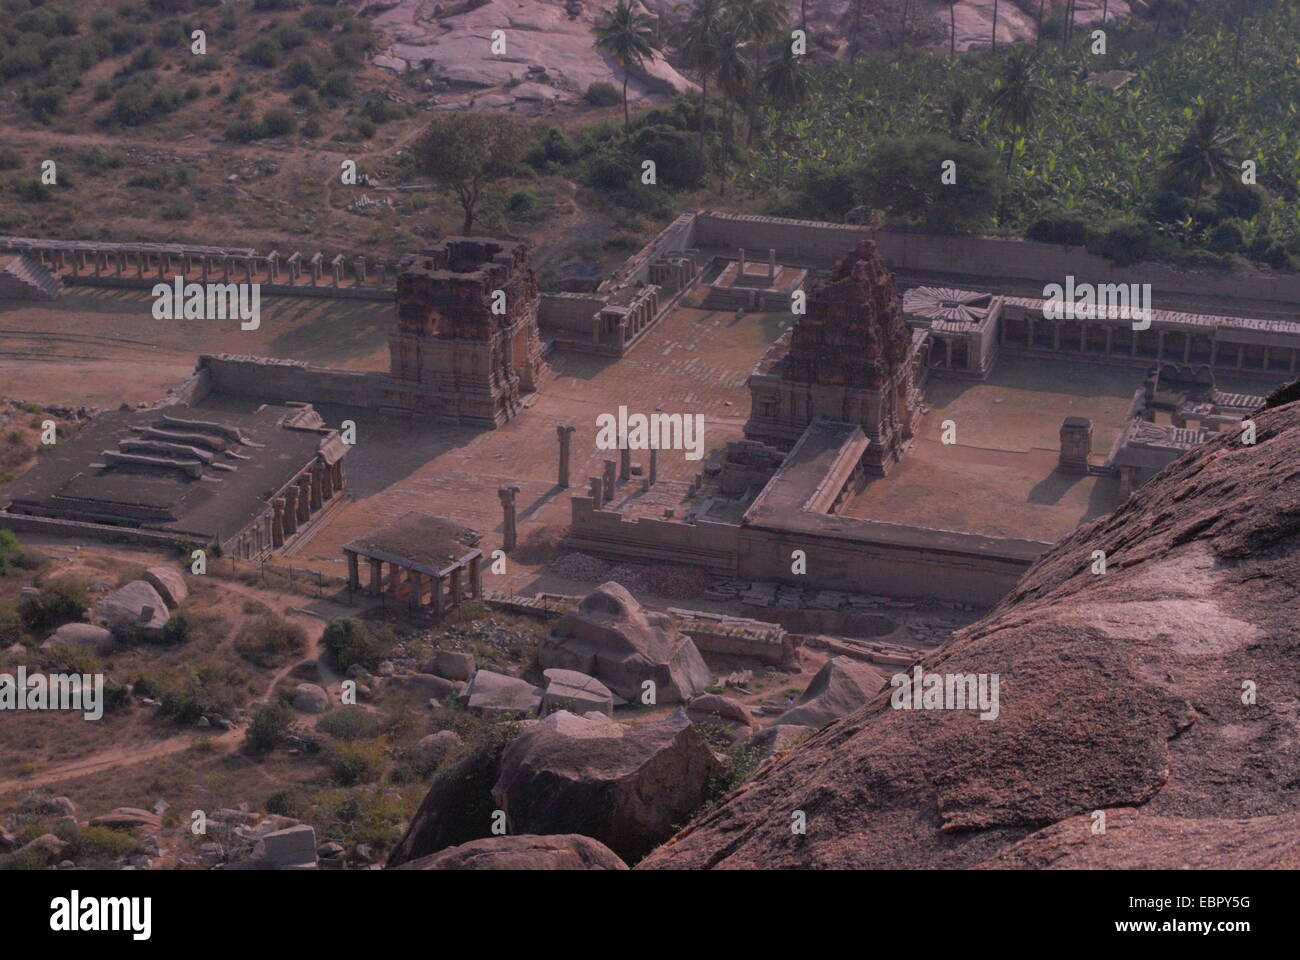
(62, 600)
(269, 727)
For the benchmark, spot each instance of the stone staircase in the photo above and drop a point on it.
(23, 277)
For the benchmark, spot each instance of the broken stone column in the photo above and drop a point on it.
(509, 531)
(1076, 445)
(596, 490)
(624, 461)
(564, 432)
(654, 464)
(609, 480)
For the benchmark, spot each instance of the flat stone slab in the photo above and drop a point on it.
(495, 694)
(293, 848)
(576, 692)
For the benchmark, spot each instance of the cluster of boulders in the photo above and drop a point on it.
(141, 609)
(59, 816)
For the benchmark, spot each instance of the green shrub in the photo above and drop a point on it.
(1123, 242)
(350, 723)
(180, 627)
(269, 727)
(1071, 229)
(348, 642)
(62, 600)
(279, 123)
(245, 131)
(270, 640)
(602, 94)
(263, 52)
(355, 761)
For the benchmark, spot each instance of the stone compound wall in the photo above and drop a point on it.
(814, 243)
(270, 379)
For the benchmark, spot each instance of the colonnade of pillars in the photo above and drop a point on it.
(1074, 336)
(295, 506)
(164, 264)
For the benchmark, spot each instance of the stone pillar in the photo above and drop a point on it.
(624, 461)
(476, 578)
(317, 491)
(304, 499)
(436, 598)
(290, 510)
(1076, 445)
(455, 586)
(741, 267)
(277, 523)
(206, 262)
(596, 490)
(564, 433)
(416, 579)
(509, 530)
(654, 464)
(771, 266)
(608, 479)
(119, 260)
(326, 481)
(140, 257)
(354, 571)
(947, 354)
(376, 576)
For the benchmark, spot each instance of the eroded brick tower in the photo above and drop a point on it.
(466, 347)
(851, 358)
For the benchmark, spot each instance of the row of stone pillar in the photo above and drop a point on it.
(162, 264)
(1185, 355)
(302, 498)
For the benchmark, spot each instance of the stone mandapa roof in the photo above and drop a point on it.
(1121, 691)
(187, 470)
(420, 542)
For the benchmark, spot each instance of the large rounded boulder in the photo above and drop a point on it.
(611, 637)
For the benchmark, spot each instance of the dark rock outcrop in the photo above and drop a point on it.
(1165, 684)
(565, 851)
(627, 787)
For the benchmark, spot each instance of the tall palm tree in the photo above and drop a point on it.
(627, 37)
(696, 39)
(734, 72)
(757, 22)
(1038, 31)
(1204, 156)
(786, 84)
(995, 26)
(1017, 94)
(952, 27)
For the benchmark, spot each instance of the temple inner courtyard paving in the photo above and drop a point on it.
(101, 347)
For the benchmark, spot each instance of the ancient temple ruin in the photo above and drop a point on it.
(466, 347)
(852, 358)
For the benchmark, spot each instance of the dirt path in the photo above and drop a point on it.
(223, 743)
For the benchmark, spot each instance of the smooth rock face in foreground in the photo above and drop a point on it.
(625, 786)
(72, 634)
(565, 851)
(611, 637)
(576, 692)
(1116, 690)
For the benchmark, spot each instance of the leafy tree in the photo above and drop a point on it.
(787, 86)
(1016, 96)
(465, 151)
(696, 39)
(1204, 156)
(756, 22)
(627, 38)
(901, 177)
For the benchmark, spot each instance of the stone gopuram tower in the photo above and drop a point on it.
(851, 358)
(466, 347)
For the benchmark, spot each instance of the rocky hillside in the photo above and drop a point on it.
(1164, 692)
